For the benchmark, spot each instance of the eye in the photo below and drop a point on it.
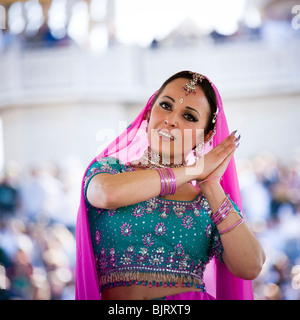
(165, 105)
(190, 117)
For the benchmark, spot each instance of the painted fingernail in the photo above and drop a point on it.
(237, 145)
(238, 138)
(234, 132)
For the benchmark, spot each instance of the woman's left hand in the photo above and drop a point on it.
(216, 175)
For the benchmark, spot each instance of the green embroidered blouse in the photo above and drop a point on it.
(154, 242)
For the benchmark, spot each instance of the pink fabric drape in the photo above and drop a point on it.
(220, 283)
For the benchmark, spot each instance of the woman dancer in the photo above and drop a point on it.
(160, 214)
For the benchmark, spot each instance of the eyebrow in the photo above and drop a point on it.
(187, 107)
(169, 98)
(193, 110)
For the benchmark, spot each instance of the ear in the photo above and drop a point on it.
(208, 136)
(147, 115)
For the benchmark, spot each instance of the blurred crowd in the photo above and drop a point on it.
(38, 214)
(37, 231)
(271, 202)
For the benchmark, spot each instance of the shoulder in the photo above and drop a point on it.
(108, 165)
(101, 165)
(105, 165)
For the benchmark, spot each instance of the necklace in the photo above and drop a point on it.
(153, 160)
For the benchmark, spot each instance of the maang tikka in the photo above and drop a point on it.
(190, 87)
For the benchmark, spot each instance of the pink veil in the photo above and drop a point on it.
(220, 283)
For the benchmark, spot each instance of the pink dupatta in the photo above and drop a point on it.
(220, 283)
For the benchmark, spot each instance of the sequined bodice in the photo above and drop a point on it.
(154, 242)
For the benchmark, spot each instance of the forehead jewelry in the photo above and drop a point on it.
(181, 100)
(190, 87)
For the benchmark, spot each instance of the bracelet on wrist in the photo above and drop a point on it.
(209, 179)
(222, 213)
(167, 181)
(239, 222)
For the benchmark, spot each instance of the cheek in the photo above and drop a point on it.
(151, 125)
(154, 118)
(192, 138)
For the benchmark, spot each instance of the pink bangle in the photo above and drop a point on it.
(162, 182)
(167, 181)
(232, 227)
(224, 215)
(223, 205)
(172, 180)
(209, 179)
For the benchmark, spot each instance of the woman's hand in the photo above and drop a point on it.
(217, 174)
(215, 162)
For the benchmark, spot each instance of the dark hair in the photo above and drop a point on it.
(207, 89)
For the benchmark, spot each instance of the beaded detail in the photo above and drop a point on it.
(157, 242)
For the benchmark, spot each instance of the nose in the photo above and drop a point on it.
(171, 121)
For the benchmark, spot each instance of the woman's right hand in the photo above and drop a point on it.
(214, 158)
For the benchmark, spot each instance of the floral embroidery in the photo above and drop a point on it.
(102, 261)
(130, 249)
(148, 240)
(98, 237)
(196, 212)
(112, 212)
(163, 215)
(179, 249)
(126, 229)
(151, 205)
(179, 210)
(112, 257)
(204, 204)
(143, 256)
(146, 256)
(190, 207)
(199, 268)
(156, 259)
(208, 231)
(188, 222)
(170, 260)
(126, 258)
(144, 251)
(165, 210)
(138, 211)
(104, 168)
(217, 248)
(160, 250)
(167, 207)
(183, 263)
(160, 229)
(100, 211)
